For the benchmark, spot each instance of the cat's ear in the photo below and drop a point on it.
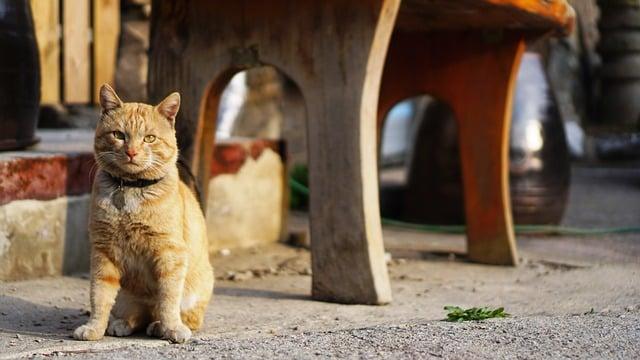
(169, 106)
(109, 100)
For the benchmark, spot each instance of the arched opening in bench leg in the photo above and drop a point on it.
(244, 180)
(248, 193)
(420, 163)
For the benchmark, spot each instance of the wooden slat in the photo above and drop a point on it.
(106, 30)
(76, 32)
(46, 18)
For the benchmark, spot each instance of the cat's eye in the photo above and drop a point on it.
(149, 138)
(119, 135)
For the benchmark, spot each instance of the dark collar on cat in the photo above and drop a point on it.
(139, 183)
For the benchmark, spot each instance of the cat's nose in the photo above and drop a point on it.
(131, 153)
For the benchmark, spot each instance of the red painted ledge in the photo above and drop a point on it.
(63, 162)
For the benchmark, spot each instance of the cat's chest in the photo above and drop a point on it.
(133, 245)
(138, 275)
(133, 227)
(121, 201)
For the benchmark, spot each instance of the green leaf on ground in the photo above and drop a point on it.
(458, 314)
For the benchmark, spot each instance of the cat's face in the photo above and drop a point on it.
(136, 141)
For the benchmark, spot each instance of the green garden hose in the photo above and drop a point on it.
(549, 230)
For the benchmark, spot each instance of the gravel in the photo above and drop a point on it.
(611, 335)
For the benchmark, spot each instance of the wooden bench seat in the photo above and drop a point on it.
(429, 15)
(465, 52)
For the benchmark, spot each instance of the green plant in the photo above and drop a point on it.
(458, 314)
(299, 187)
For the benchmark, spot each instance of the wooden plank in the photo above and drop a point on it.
(46, 18)
(76, 61)
(106, 31)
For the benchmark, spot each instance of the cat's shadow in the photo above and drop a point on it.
(257, 293)
(19, 316)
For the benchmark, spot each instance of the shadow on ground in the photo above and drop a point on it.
(19, 316)
(256, 293)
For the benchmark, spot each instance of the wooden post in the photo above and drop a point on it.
(334, 51)
(474, 72)
(46, 18)
(76, 42)
(106, 31)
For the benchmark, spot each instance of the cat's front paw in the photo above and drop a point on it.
(86, 332)
(119, 327)
(177, 334)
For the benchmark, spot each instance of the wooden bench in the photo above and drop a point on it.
(464, 52)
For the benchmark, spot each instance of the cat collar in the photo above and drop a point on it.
(139, 183)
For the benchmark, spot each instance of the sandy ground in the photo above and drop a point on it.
(570, 297)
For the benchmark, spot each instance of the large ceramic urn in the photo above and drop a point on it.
(19, 76)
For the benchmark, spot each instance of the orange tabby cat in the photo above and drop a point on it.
(149, 259)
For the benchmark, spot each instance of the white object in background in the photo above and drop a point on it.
(575, 138)
(231, 101)
(397, 132)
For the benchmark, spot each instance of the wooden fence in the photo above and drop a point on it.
(78, 42)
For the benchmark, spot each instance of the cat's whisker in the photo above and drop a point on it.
(113, 192)
(93, 170)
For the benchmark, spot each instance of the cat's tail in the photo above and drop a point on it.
(187, 177)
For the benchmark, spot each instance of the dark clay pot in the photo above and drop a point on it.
(539, 160)
(19, 76)
(539, 165)
(434, 188)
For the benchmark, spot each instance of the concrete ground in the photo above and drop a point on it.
(572, 297)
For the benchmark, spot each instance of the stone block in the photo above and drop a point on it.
(247, 199)
(43, 237)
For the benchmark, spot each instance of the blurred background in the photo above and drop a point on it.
(574, 141)
(574, 168)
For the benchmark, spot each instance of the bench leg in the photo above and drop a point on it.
(484, 117)
(346, 238)
(475, 74)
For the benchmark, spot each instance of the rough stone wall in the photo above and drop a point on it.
(261, 114)
(44, 238)
(247, 208)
